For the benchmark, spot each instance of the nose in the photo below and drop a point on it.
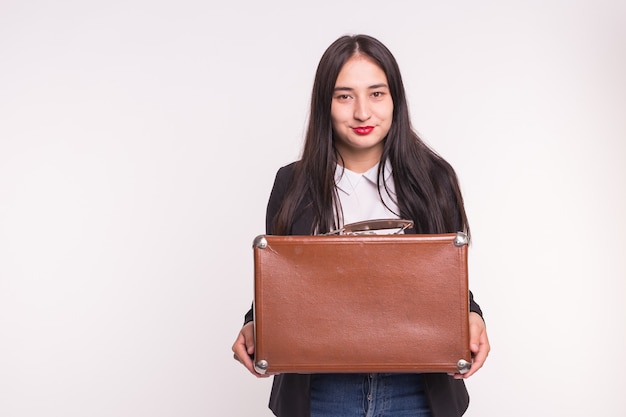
(362, 111)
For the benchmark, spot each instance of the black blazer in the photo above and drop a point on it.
(290, 395)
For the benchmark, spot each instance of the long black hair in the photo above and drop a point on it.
(426, 186)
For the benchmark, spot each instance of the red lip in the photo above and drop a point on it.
(363, 130)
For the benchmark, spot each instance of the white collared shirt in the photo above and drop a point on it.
(359, 198)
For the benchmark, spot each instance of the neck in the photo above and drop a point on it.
(359, 162)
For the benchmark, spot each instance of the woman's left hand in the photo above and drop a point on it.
(479, 344)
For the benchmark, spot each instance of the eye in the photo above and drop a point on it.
(343, 97)
(377, 94)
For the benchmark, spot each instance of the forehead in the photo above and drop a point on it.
(360, 70)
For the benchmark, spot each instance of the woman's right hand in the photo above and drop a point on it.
(243, 348)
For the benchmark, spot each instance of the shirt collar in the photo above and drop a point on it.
(345, 179)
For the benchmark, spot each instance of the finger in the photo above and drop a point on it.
(245, 359)
(243, 348)
(480, 355)
(476, 329)
(249, 344)
(248, 336)
(240, 351)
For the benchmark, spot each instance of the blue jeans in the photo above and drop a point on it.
(368, 395)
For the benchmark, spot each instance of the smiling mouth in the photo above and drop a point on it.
(363, 130)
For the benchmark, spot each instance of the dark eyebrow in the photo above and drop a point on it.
(371, 87)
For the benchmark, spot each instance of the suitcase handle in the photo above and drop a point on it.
(368, 226)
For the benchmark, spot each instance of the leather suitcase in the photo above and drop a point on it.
(361, 303)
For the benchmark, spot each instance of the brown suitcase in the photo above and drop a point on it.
(361, 303)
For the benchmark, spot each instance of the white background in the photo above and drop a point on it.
(138, 145)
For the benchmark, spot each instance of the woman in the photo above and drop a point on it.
(362, 160)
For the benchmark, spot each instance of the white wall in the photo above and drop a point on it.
(139, 141)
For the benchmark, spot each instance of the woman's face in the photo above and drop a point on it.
(361, 112)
